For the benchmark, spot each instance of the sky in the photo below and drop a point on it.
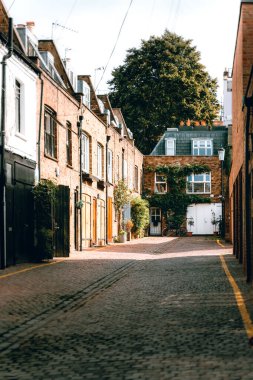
(87, 30)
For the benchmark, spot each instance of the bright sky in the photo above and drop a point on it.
(211, 24)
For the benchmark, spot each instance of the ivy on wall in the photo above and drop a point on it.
(44, 198)
(174, 203)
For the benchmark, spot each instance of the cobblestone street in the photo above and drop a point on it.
(154, 308)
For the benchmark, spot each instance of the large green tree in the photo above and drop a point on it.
(160, 84)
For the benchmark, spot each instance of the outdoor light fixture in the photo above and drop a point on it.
(221, 154)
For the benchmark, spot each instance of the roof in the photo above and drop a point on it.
(185, 135)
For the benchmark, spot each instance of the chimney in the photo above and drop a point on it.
(30, 25)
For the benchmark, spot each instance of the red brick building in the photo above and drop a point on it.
(182, 146)
(83, 145)
(241, 176)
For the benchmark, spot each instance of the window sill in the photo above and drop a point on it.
(69, 166)
(21, 136)
(50, 158)
(199, 193)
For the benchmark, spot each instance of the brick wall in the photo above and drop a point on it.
(243, 60)
(67, 109)
(213, 162)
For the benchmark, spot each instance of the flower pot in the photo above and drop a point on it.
(122, 238)
(189, 233)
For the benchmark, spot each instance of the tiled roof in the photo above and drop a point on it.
(184, 136)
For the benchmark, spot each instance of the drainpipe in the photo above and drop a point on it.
(249, 104)
(2, 170)
(106, 189)
(40, 126)
(79, 124)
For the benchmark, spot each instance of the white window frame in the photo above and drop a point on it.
(109, 165)
(170, 150)
(205, 144)
(159, 182)
(19, 108)
(136, 178)
(193, 180)
(99, 161)
(125, 171)
(85, 153)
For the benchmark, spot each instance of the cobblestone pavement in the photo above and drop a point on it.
(155, 308)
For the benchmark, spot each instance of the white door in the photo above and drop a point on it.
(202, 216)
(155, 221)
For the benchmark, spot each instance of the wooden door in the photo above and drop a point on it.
(61, 222)
(94, 233)
(109, 220)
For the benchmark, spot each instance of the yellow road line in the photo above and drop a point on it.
(30, 268)
(248, 325)
(220, 244)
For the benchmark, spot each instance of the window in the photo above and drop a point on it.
(202, 147)
(124, 169)
(229, 85)
(117, 169)
(99, 161)
(160, 183)
(136, 179)
(50, 133)
(109, 165)
(85, 153)
(170, 147)
(18, 99)
(199, 183)
(69, 143)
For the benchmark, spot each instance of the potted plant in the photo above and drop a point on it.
(129, 225)
(122, 236)
(190, 222)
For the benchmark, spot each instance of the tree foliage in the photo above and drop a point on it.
(160, 84)
(139, 214)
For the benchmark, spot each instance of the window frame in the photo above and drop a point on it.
(85, 153)
(99, 161)
(136, 178)
(110, 165)
(205, 182)
(198, 141)
(69, 143)
(170, 140)
(50, 138)
(19, 108)
(160, 183)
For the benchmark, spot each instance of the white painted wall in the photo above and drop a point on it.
(202, 215)
(25, 144)
(227, 101)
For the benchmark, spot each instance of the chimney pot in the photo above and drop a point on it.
(30, 25)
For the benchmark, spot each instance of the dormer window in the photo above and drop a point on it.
(202, 147)
(170, 147)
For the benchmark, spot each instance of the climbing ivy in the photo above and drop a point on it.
(44, 198)
(174, 203)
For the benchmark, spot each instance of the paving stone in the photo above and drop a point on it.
(155, 308)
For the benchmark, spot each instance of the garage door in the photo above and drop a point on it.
(202, 216)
